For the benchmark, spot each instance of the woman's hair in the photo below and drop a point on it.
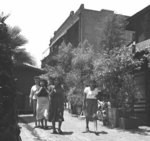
(93, 83)
(51, 79)
(45, 81)
(59, 79)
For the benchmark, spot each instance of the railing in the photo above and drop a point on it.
(140, 106)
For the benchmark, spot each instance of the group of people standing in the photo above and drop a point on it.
(48, 103)
(48, 99)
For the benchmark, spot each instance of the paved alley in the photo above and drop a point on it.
(74, 128)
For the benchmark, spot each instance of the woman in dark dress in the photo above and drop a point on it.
(56, 107)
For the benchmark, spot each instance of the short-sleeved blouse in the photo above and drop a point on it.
(91, 94)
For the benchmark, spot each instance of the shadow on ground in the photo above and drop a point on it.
(67, 133)
(141, 131)
(26, 118)
(96, 133)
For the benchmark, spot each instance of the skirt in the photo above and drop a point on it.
(56, 110)
(91, 109)
(42, 108)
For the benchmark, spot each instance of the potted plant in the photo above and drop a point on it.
(122, 95)
(127, 118)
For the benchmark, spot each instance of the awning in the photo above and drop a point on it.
(143, 45)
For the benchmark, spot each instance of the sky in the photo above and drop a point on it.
(38, 19)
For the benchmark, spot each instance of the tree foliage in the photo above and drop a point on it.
(114, 33)
(111, 71)
(10, 53)
(8, 120)
(111, 65)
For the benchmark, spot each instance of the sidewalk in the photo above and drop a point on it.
(74, 128)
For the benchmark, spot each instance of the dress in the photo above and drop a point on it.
(56, 106)
(91, 104)
(34, 97)
(42, 105)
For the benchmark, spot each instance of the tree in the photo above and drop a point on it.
(10, 42)
(114, 33)
(8, 120)
(21, 56)
(82, 61)
(114, 71)
(64, 57)
(16, 40)
(111, 64)
(62, 63)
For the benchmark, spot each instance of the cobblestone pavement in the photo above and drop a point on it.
(74, 128)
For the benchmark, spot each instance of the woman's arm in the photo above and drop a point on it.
(31, 95)
(47, 90)
(52, 92)
(84, 100)
(38, 91)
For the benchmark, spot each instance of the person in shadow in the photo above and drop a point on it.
(56, 106)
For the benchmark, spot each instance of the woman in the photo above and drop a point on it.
(90, 104)
(33, 96)
(56, 106)
(42, 103)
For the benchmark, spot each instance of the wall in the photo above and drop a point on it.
(140, 25)
(93, 24)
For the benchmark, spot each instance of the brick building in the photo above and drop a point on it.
(82, 25)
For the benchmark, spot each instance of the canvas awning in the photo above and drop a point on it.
(143, 45)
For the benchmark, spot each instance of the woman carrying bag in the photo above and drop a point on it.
(90, 104)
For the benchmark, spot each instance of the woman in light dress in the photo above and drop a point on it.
(90, 104)
(42, 103)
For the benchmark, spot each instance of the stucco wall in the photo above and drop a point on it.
(93, 24)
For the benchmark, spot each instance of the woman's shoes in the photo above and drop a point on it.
(45, 127)
(87, 130)
(96, 133)
(60, 131)
(54, 132)
(57, 132)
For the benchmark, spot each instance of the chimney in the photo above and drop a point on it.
(71, 13)
(82, 6)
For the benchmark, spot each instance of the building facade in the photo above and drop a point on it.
(139, 24)
(82, 25)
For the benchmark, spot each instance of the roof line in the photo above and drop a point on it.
(144, 10)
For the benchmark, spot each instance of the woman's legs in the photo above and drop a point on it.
(34, 110)
(42, 123)
(95, 125)
(45, 122)
(87, 124)
(59, 127)
(54, 129)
